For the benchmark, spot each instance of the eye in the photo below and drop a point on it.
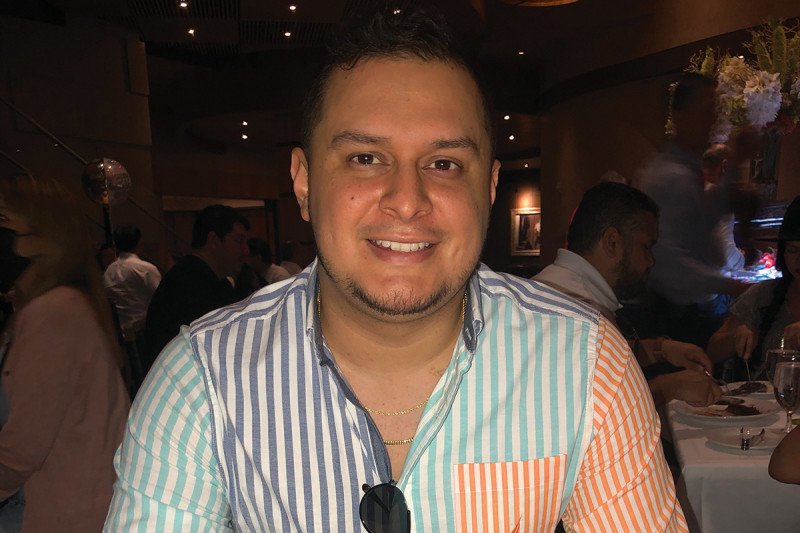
(445, 165)
(363, 159)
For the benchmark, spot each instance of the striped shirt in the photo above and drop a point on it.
(245, 423)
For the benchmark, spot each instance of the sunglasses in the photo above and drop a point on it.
(383, 509)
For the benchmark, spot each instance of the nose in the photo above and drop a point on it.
(406, 196)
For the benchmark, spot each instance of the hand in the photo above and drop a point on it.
(691, 386)
(791, 336)
(685, 355)
(744, 340)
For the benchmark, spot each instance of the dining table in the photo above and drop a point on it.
(722, 488)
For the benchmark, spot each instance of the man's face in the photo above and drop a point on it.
(695, 123)
(400, 184)
(637, 259)
(233, 250)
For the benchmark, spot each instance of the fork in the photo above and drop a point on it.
(724, 386)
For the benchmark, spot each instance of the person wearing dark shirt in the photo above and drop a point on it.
(197, 284)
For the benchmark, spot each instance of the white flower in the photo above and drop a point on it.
(762, 98)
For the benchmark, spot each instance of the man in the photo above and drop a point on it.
(259, 269)
(130, 281)
(396, 365)
(289, 262)
(198, 282)
(687, 276)
(608, 258)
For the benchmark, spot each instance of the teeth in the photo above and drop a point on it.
(403, 246)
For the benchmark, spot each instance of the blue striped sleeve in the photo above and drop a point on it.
(168, 475)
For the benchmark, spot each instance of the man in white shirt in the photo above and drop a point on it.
(130, 281)
(609, 256)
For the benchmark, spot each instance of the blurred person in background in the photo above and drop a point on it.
(198, 283)
(767, 315)
(259, 269)
(686, 277)
(289, 256)
(64, 404)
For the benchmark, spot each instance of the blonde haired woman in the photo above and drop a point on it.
(66, 401)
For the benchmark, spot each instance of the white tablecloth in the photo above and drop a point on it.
(725, 490)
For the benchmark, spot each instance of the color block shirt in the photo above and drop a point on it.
(245, 423)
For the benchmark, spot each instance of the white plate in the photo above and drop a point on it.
(769, 395)
(729, 437)
(717, 413)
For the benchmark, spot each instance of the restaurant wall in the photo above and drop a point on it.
(87, 83)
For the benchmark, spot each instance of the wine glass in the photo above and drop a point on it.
(772, 358)
(787, 385)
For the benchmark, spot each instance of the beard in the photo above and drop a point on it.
(398, 303)
(630, 283)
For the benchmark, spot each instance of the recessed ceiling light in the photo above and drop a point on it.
(244, 123)
(184, 5)
(526, 165)
(397, 11)
(244, 136)
(506, 117)
(191, 32)
(292, 8)
(287, 34)
(521, 53)
(510, 137)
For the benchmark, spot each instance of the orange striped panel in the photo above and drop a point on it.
(520, 496)
(624, 483)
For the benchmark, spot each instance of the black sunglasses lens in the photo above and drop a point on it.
(383, 509)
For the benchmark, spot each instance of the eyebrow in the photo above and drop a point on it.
(359, 137)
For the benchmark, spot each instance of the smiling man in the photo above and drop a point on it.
(398, 384)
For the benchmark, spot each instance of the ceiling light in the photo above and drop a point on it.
(287, 34)
(191, 32)
(397, 11)
(244, 136)
(184, 5)
(244, 123)
(292, 8)
(521, 53)
(510, 137)
(526, 165)
(506, 117)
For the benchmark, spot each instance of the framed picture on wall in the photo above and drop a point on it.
(526, 227)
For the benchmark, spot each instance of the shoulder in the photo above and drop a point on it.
(533, 296)
(58, 300)
(758, 295)
(262, 306)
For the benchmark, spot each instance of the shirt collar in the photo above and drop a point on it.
(595, 283)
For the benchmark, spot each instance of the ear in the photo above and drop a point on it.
(611, 244)
(495, 179)
(299, 171)
(213, 239)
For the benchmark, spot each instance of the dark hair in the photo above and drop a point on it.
(687, 90)
(388, 33)
(217, 218)
(259, 247)
(714, 156)
(126, 238)
(606, 205)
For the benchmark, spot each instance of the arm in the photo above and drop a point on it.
(168, 475)
(691, 386)
(41, 384)
(624, 483)
(681, 354)
(733, 338)
(784, 465)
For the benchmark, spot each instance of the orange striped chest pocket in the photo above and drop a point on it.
(518, 497)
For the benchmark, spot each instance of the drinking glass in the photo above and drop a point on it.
(786, 381)
(772, 358)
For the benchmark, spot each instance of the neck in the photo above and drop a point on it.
(206, 257)
(388, 346)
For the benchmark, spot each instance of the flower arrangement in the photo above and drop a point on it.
(763, 93)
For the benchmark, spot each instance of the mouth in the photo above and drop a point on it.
(405, 247)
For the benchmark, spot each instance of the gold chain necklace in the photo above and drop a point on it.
(409, 440)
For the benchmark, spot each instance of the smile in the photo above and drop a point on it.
(403, 246)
